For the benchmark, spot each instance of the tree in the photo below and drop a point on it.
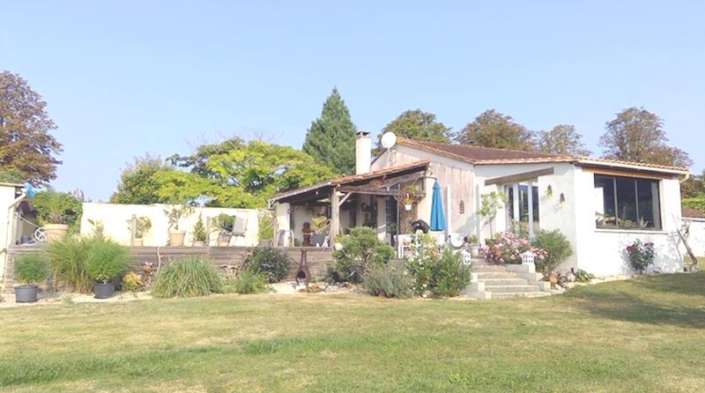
(493, 129)
(331, 138)
(562, 139)
(637, 135)
(241, 174)
(26, 145)
(137, 182)
(418, 125)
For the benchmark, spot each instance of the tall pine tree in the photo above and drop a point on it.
(331, 138)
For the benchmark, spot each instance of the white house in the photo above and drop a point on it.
(601, 206)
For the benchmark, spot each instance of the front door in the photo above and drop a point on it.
(523, 207)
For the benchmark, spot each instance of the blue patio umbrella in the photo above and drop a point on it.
(438, 220)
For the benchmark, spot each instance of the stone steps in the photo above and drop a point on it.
(511, 288)
(505, 281)
(509, 295)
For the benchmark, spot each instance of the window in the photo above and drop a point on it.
(624, 202)
(390, 213)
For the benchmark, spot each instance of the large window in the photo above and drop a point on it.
(624, 202)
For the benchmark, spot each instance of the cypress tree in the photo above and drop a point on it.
(331, 138)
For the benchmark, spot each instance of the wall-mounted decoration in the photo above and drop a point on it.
(549, 191)
(562, 198)
(462, 207)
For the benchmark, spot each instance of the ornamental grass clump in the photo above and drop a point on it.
(246, 283)
(31, 269)
(67, 258)
(188, 277)
(106, 260)
(641, 255)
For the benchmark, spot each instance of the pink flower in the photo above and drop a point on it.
(630, 248)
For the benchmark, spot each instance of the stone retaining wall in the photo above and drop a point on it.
(318, 259)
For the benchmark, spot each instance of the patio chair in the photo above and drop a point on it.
(239, 227)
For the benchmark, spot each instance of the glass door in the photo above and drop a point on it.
(523, 208)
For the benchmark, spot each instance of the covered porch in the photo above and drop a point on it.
(387, 200)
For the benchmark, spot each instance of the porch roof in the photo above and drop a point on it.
(322, 190)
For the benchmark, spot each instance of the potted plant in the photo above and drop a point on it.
(224, 223)
(318, 226)
(30, 270)
(106, 261)
(174, 214)
(474, 246)
(56, 212)
(199, 232)
(141, 226)
(409, 197)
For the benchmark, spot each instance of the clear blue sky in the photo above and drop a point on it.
(123, 78)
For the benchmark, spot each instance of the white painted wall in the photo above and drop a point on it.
(696, 240)
(602, 251)
(7, 235)
(458, 174)
(114, 218)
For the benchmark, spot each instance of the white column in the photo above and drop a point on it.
(449, 213)
(530, 195)
(517, 205)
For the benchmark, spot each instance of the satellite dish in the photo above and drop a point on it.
(389, 140)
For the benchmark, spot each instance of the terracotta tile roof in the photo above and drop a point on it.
(489, 156)
(421, 164)
(692, 213)
(475, 154)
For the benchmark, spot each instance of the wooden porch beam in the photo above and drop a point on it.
(345, 198)
(334, 215)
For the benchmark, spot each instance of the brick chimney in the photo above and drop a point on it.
(363, 152)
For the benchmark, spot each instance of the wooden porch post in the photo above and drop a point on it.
(334, 215)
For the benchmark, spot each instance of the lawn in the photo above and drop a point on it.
(642, 335)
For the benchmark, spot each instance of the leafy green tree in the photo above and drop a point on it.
(418, 125)
(361, 248)
(693, 187)
(239, 174)
(27, 147)
(637, 135)
(331, 138)
(11, 176)
(137, 183)
(493, 129)
(562, 139)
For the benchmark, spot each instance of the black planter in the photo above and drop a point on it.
(103, 291)
(26, 294)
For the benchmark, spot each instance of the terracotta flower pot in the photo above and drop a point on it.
(176, 238)
(55, 232)
(137, 242)
(553, 278)
(199, 243)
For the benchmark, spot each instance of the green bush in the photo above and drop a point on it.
(360, 250)
(449, 276)
(107, 260)
(57, 208)
(390, 280)
(270, 262)
(187, 277)
(440, 271)
(557, 248)
(68, 263)
(247, 282)
(31, 269)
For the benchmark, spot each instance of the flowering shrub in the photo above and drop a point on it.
(641, 255)
(507, 247)
(440, 271)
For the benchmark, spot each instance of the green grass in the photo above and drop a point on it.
(643, 335)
